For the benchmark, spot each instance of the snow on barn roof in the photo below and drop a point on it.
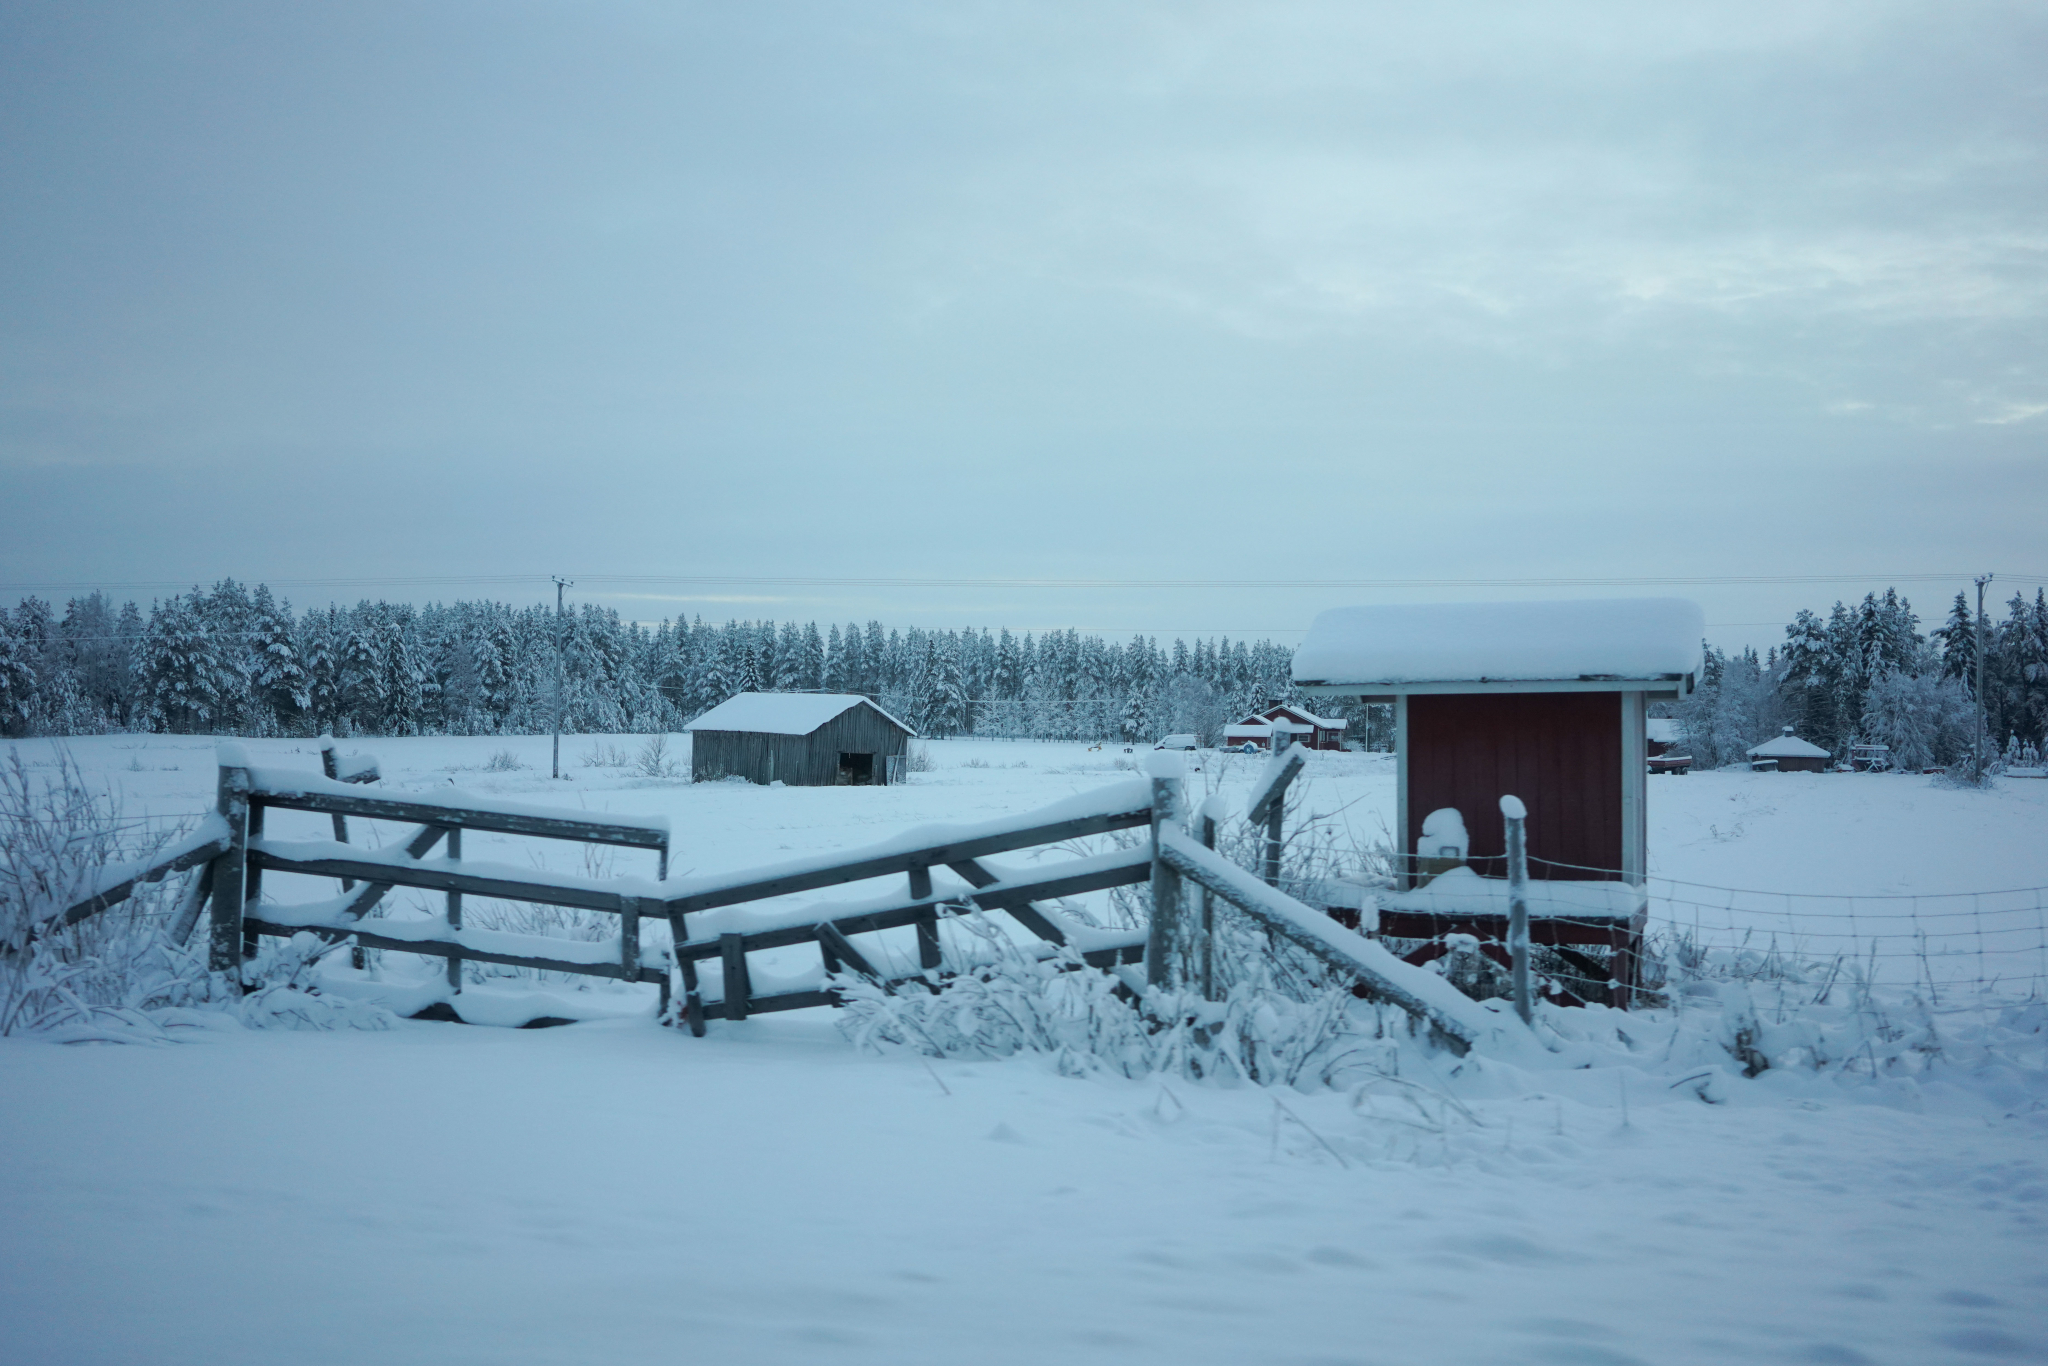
(781, 713)
(1664, 730)
(1787, 746)
(1601, 639)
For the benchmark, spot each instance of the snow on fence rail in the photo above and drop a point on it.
(946, 868)
(1455, 1018)
(116, 882)
(239, 853)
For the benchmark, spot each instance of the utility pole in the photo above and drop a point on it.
(1978, 762)
(562, 583)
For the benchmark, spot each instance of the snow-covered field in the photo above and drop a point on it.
(620, 1192)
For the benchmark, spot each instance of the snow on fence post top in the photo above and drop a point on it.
(1170, 764)
(1444, 830)
(1512, 808)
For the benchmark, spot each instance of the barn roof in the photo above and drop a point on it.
(1589, 640)
(782, 713)
(1787, 746)
(1664, 730)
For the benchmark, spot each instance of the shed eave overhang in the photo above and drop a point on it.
(1662, 686)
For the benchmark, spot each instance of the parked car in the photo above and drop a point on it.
(1178, 742)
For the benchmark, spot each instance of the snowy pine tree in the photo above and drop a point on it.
(281, 689)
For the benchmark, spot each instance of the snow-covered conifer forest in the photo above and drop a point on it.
(228, 660)
(232, 661)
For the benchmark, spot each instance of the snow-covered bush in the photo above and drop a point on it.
(284, 990)
(654, 760)
(119, 974)
(56, 834)
(604, 754)
(1012, 1000)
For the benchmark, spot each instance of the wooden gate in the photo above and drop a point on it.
(714, 920)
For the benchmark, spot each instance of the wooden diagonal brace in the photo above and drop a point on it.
(838, 949)
(370, 893)
(977, 875)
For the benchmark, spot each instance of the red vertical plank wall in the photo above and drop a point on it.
(1559, 752)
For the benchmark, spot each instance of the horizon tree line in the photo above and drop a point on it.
(235, 660)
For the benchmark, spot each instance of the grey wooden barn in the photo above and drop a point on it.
(802, 739)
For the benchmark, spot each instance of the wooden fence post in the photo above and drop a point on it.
(454, 912)
(1517, 817)
(686, 968)
(332, 768)
(629, 938)
(732, 954)
(1208, 945)
(252, 885)
(928, 954)
(231, 874)
(1276, 815)
(1162, 941)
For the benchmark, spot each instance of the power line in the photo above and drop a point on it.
(832, 581)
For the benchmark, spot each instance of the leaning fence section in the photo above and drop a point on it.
(430, 858)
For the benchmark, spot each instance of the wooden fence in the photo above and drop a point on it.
(236, 853)
(239, 917)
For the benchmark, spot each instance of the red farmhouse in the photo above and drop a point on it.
(1306, 728)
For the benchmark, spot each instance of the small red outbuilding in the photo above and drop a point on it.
(1542, 700)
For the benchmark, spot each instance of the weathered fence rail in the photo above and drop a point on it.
(116, 884)
(1457, 1020)
(715, 920)
(246, 854)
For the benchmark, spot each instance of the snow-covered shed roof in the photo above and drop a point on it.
(1665, 730)
(781, 713)
(1594, 640)
(1787, 746)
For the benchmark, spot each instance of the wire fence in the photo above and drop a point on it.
(1943, 943)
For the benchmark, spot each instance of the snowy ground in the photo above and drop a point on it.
(619, 1192)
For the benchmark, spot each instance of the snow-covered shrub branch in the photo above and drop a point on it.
(1008, 999)
(119, 974)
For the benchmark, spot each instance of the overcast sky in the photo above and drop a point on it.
(429, 292)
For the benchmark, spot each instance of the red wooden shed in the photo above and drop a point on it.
(1544, 701)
